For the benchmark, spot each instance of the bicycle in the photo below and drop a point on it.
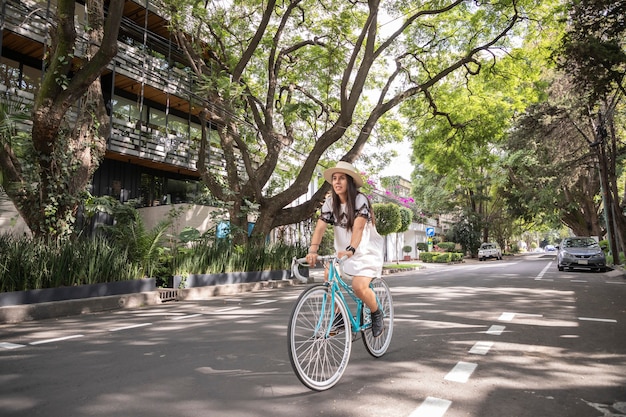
(319, 349)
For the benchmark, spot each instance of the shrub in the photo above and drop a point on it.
(422, 246)
(441, 257)
(447, 246)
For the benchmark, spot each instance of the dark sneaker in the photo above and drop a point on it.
(338, 325)
(377, 323)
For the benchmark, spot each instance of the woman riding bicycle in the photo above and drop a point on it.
(350, 212)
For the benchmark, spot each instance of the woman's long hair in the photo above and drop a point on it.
(352, 192)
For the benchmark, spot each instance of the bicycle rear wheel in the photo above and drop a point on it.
(377, 346)
(318, 352)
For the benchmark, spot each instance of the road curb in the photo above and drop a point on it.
(55, 309)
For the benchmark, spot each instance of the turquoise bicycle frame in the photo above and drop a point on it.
(336, 284)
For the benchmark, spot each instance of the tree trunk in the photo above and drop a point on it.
(68, 151)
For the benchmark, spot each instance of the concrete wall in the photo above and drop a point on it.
(10, 220)
(191, 215)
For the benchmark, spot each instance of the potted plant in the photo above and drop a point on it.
(407, 250)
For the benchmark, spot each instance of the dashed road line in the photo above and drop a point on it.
(461, 372)
(481, 348)
(258, 303)
(506, 316)
(58, 339)
(495, 330)
(190, 316)
(7, 345)
(224, 310)
(134, 326)
(431, 407)
(595, 319)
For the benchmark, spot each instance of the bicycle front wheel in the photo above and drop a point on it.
(377, 346)
(319, 347)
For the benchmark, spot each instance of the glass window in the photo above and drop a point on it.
(125, 109)
(178, 126)
(21, 77)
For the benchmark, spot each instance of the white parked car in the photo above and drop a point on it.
(489, 250)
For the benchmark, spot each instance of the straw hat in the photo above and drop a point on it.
(345, 168)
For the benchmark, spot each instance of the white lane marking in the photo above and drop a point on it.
(506, 316)
(594, 319)
(223, 310)
(431, 407)
(578, 280)
(58, 339)
(134, 326)
(616, 282)
(258, 303)
(7, 345)
(461, 372)
(481, 348)
(543, 271)
(186, 317)
(511, 316)
(496, 330)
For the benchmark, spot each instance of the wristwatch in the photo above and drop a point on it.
(351, 249)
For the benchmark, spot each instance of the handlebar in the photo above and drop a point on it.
(296, 262)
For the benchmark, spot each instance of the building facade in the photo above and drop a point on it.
(152, 148)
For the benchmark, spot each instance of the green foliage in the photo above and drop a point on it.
(144, 247)
(388, 218)
(28, 264)
(406, 216)
(593, 49)
(422, 246)
(441, 257)
(327, 247)
(447, 246)
(407, 249)
(214, 258)
(466, 232)
(401, 266)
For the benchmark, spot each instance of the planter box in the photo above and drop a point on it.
(78, 292)
(204, 280)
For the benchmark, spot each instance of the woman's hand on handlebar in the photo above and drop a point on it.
(311, 258)
(344, 254)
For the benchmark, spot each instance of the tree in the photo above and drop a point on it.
(406, 217)
(551, 169)
(458, 154)
(593, 54)
(290, 86)
(46, 173)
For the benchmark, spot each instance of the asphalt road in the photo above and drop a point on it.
(507, 338)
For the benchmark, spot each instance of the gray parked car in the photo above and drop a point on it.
(580, 252)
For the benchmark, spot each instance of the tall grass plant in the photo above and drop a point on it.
(29, 264)
(220, 257)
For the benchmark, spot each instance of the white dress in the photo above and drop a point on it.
(367, 260)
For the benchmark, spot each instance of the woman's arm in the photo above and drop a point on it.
(357, 234)
(316, 239)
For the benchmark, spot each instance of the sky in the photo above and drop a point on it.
(401, 165)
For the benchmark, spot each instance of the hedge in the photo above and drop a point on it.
(439, 257)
